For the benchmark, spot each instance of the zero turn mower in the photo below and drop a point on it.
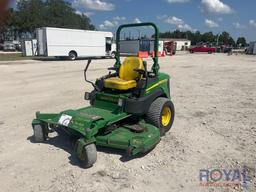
(130, 109)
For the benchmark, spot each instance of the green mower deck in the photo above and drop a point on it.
(87, 123)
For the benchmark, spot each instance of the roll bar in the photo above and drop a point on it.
(155, 67)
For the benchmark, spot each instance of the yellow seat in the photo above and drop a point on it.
(120, 84)
(127, 76)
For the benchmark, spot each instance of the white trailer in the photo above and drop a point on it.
(73, 43)
(252, 48)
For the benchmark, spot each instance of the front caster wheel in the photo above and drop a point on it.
(86, 154)
(39, 133)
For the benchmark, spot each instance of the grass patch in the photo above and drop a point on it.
(13, 57)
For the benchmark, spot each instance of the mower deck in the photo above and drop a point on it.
(92, 122)
(130, 140)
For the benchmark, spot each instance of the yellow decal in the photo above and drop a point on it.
(155, 85)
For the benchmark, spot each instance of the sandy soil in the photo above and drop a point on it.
(215, 127)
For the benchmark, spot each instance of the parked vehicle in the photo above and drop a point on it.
(17, 45)
(72, 43)
(227, 50)
(9, 46)
(202, 49)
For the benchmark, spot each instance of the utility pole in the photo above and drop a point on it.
(218, 36)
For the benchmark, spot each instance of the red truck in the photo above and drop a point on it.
(203, 49)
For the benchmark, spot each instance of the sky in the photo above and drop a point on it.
(235, 16)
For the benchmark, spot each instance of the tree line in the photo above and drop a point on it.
(223, 38)
(28, 15)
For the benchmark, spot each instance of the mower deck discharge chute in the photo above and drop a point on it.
(130, 109)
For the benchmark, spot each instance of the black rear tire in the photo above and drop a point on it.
(156, 112)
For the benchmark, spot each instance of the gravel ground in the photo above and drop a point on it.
(214, 128)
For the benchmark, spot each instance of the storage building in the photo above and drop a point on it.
(181, 44)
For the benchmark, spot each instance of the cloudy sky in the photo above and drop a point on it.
(235, 16)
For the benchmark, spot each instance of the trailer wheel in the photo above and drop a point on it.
(161, 114)
(88, 156)
(39, 133)
(72, 55)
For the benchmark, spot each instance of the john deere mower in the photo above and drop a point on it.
(130, 109)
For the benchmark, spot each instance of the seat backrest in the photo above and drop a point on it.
(126, 71)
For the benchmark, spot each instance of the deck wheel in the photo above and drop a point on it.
(87, 154)
(39, 133)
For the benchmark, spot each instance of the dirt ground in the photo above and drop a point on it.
(214, 128)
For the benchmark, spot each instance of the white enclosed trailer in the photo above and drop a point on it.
(252, 48)
(253, 44)
(73, 43)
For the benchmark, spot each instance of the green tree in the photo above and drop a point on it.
(197, 38)
(32, 14)
(61, 14)
(231, 42)
(224, 38)
(241, 41)
(208, 37)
